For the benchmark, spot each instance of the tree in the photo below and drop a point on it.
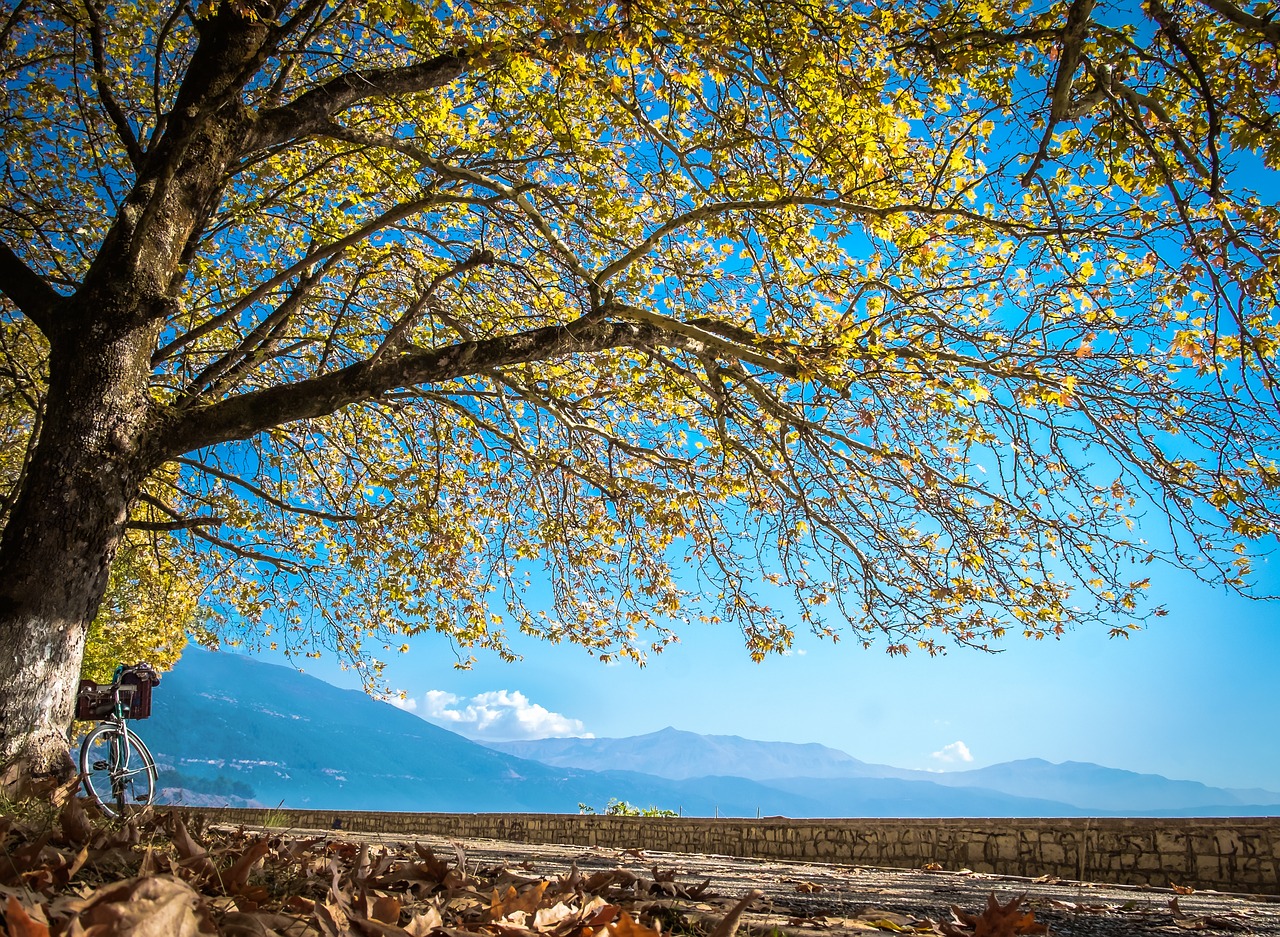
(881, 319)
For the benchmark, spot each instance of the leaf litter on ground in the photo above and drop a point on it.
(65, 873)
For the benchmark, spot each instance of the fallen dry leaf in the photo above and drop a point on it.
(237, 876)
(386, 909)
(729, 924)
(18, 923)
(1185, 921)
(158, 906)
(193, 856)
(996, 920)
(514, 902)
(626, 926)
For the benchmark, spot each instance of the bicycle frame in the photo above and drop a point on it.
(126, 760)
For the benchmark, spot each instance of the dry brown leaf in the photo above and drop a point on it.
(1077, 907)
(386, 909)
(299, 905)
(555, 917)
(600, 881)
(158, 906)
(192, 856)
(1205, 922)
(931, 867)
(18, 923)
(240, 924)
(1182, 889)
(431, 866)
(460, 854)
(237, 876)
(625, 926)
(808, 888)
(77, 829)
(330, 920)
(997, 920)
(514, 902)
(599, 913)
(423, 924)
(23, 859)
(729, 924)
(880, 919)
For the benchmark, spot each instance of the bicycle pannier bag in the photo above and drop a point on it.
(93, 701)
(135, 693)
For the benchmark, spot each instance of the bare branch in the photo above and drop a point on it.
(186, 524)
(259, 493)
(109, 102)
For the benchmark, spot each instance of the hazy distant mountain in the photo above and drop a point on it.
(1088, 788)
(226, 728)
(1106, 789)
(671, 753)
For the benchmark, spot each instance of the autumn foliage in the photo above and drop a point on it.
(915, 323)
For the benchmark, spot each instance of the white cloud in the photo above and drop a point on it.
(407, 703)
(956, 751)
(498, 715)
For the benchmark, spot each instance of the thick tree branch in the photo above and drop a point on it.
(35, 298)
(1267, 28)
(310, 111)
(313, 110)
(244, 416)
(1074, 33)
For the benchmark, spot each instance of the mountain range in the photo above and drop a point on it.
(229, 729)
(672, 753)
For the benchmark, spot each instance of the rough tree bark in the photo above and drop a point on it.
(57, 548)
(96, 441)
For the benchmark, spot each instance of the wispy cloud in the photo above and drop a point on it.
(498, 715)
(956, 751)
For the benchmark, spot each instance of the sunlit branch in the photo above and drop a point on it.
(263, 495)
(324, 252)
(308, 113)
(243, 416)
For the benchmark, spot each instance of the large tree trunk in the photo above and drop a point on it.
(62, 534)
(92, 455)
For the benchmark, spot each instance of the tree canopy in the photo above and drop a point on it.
(918, 323)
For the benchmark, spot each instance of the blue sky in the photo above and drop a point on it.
(1194, 696)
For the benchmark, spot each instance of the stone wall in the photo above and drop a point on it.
(1231, 854)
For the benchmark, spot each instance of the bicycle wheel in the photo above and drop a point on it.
(118, 771)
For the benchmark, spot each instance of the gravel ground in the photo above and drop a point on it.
(812, 899)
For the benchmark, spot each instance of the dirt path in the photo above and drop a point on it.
(812, 899)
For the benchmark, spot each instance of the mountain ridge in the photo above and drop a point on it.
(271, 735)
(1086, 786)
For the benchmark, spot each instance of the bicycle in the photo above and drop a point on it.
(116, 768)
